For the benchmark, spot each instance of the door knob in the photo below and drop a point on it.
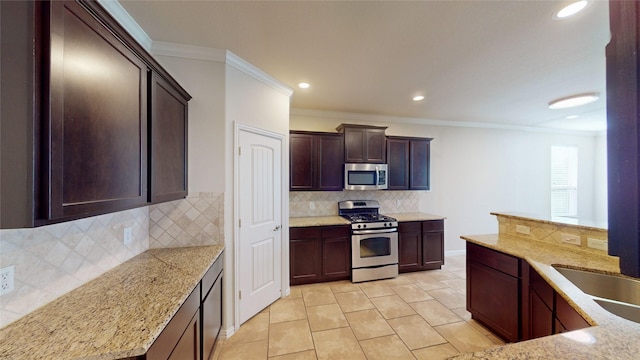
(277, 228)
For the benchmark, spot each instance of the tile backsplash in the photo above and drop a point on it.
(53, 260)
(325, 203)
(195, 221)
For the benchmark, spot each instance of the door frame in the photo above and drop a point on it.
(284, 266)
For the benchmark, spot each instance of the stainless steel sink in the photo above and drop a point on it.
(616, 294)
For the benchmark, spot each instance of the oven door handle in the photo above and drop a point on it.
(374, 231)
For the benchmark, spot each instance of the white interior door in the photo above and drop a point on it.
(260, 222)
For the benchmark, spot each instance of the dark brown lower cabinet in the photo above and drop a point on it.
(541, 297)
(181, 333)
(192, 332)
(420, 245)
(211, 308)
(513, 300)
(319, 253)
(566, 317)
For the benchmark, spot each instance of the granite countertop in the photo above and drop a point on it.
(611, 337)
(119, 314)
(339, 220)
(584, 224)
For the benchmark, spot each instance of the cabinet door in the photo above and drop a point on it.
(330, 162)
(302, 153)
(364, 145)
(211, 318)
(540, 317)
(96, 121)
(419, 164)
(398, 163)
(409, 246)
(168, 142)
(492, 298)
(376, 143)
(336, 253)
(568, 318)
(305, 255)
(188, 348)
(432, 244)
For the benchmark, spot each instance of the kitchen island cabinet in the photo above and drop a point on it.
(493, 290)
(364, 143)
(88, 102)
(319, 253)
(315, 161)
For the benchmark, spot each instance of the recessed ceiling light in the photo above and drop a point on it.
(573, 101)
(304, 85)
(571, 9)
(418, 98)
(570, 117)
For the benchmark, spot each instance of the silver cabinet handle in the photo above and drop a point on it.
(277, 228)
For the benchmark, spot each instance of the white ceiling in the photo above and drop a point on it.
(497, 62)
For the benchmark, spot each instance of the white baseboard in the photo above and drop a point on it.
(227, 333)
(455, 252)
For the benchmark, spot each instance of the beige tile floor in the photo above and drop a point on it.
(418, 315)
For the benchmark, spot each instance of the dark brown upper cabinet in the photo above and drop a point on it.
(408, 159)
(169, 114)
(623, 134)
(316, 161)
(85, 100)
(363, 143)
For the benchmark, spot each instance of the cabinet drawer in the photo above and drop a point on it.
(433, 225)
(313, 232)
(211, 275)
(494, 259)
(410, 227)
(336, 231)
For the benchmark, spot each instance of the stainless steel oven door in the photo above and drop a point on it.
(374, 247)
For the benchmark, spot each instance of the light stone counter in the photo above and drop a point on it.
(611, 337)
(417, 216)
(117, 315)
(318, 221)
(339, 220)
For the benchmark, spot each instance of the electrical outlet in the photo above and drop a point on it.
(598, 244)
(312, 205)
(521, 229)
(128, 236)
(6, 279)
(571, 239)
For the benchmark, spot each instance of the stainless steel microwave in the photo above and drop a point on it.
(365, 176)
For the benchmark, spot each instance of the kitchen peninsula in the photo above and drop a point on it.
(539, 245)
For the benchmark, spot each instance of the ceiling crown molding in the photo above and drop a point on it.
(122, 16)
(384, 119)
(249, 69)
(188, 51)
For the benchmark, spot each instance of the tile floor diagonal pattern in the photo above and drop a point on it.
(418, 315)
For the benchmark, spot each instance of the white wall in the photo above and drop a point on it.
(475, 171)
(205, 82)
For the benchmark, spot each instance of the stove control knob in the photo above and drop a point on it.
(359, 226)
(364, 226)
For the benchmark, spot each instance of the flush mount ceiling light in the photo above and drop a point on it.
(418, 98)
(571, 9)
(573, 101)
(570, 117)
(304, 85)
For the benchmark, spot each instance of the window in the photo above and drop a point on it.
(564, 181)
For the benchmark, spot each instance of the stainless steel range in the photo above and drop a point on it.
(374, 240)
